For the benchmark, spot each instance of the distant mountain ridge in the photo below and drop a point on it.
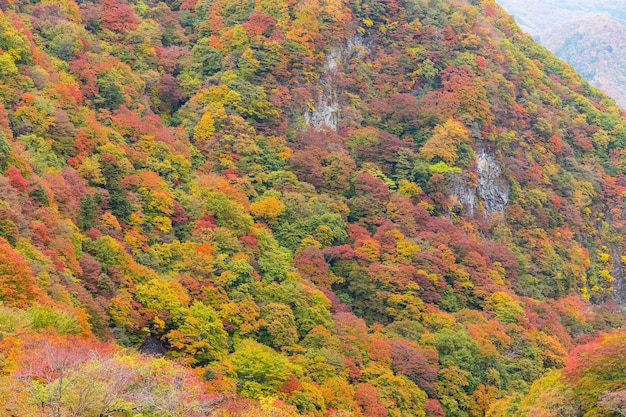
(589, 35)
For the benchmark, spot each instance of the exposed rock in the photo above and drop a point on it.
(325, 111)
(464, 193)
(492, 188)
(153, 346)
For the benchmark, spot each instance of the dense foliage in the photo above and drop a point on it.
(312, 207)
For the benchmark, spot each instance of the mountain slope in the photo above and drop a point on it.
(588, 35)
(329, 207)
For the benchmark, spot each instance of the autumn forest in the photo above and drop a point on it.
(347, 208)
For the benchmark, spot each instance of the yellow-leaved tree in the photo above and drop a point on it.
(205, 127)
(445, 142)
(268, 208)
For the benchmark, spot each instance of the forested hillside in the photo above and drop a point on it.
(303, 207)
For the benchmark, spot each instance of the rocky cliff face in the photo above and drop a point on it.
(325, 112)
(464, 193)
(491, 188)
